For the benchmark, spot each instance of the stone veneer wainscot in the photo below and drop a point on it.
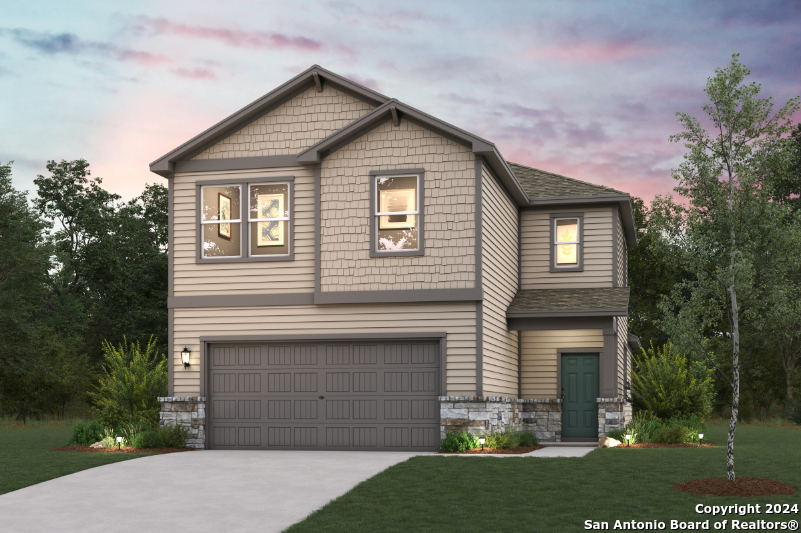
(189, 411)
(484, 414)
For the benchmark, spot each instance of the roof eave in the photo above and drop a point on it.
(567, 313)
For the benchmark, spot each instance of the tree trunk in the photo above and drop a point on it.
(787, 377)
(735, 397)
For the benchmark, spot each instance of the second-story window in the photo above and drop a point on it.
(268, 219)
(567, 243)
(221, 221)
(397, 213)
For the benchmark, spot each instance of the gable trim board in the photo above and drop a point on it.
(165, 165)
(479, 266)
(615, 258)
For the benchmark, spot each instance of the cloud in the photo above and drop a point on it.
(71, 44)
(370, 83)
(231, 37)
(591, 52)
(194, 74)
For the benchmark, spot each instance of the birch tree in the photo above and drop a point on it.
(733, 240)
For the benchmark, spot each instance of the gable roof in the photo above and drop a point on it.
(541, 184)
(315, 75)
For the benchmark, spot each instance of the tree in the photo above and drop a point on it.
(732, 239)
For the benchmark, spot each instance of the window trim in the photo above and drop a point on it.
(401, 172)
(552, 242)
(244, 218)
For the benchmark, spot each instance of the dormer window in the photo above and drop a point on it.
(567, 243)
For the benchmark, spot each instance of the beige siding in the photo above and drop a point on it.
(458, 320)
(499, 280)
(535, 250)
(622, 251)
(622, 352)
(449, 261)
(240, 278)
(292, 127)
(538, 357)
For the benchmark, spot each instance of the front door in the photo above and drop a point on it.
(579, 394)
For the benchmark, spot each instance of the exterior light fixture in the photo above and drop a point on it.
(700, 439)
(185, 356)
(482, 440)
(119, 441)
(628, 440)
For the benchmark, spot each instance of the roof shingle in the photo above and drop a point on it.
(612, 299)
(541, 184)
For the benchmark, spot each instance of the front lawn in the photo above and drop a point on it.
(537, 494)
(26, 459)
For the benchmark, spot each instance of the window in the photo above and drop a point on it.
(249, 221)
(397, 217)
(566, 242)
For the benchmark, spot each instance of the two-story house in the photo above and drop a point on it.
(348, 272)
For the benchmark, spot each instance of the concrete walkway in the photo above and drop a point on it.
(214, 491)
(548, 451)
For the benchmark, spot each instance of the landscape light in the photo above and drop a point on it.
(481, 441)
(119, 441)
(700, 439)
(185, 356)
(628, 440)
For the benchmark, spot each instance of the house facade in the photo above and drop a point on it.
(348, 272)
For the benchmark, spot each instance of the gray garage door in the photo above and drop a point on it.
(331, 396)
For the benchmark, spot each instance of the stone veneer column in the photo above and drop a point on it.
(189, 411)
(613, 413)
(484, 414)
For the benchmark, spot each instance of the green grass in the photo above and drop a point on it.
(26, 459)
(483, 494)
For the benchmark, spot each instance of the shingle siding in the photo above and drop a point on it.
(449, 260)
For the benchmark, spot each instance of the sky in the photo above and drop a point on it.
(581, 88)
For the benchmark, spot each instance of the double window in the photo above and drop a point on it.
(249, 221)
(396, 221)
(567, 242)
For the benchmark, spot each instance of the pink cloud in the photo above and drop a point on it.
(194, 74)
(238, 38)
(583, 53)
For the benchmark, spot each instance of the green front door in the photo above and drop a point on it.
(579, 392)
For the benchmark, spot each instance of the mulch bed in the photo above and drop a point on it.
(657, 445)
(515, 451)
(78, 448)
(745, 487)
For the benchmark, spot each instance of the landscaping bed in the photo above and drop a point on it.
(126, 449)
(497, 451)
(660, 445)
(744, 487)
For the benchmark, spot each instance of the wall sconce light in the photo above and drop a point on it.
(185, 356)
(119, 442)
(700, 439)
(482, 440)
(628, 440)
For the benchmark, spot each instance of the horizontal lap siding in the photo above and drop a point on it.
(535, 250)
(449, 213)
(538, 357)
(192, 279)
(499, 280)
(292, 127)
(458, 320)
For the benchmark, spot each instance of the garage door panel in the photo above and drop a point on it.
(335, 395)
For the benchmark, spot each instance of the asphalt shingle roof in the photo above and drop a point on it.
(541, 184)
(593, 299)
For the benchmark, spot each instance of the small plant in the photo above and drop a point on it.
(675, 434)
(643, 427)
(528, 439)
(174, 436)
(110, 440)
(458, 442)
(509, 439)
(130, 430)
(148, 439)
(86, 434)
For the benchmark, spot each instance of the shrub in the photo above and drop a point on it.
(130, 430)
(131, 383)
(174, 436)
(458, 442)
(693, 425)
(618, 435)
(509, 439)
(666, 384)
(110, 440)
(86, 434)
(643, 427)
(528, 439)
(148, 439)
(674, 434)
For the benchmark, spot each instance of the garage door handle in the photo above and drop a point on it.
(322, 397)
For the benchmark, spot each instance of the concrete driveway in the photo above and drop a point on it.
(214, 491)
